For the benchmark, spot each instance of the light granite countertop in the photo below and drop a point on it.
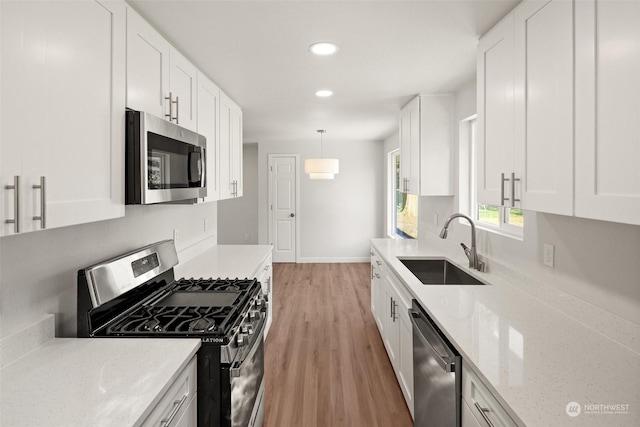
(93, 382)
(232, 261)
(537, 349)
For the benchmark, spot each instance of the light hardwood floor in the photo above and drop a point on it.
(325, 363)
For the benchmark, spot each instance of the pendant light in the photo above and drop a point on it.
(321, 168)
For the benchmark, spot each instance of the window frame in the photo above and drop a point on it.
(393, 189)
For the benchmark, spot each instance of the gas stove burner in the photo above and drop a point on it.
(152, 325)
(200, 325)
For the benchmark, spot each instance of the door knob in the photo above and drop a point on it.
(292, 215)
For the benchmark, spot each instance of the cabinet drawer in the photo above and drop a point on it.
(481, 402)
(176, 401)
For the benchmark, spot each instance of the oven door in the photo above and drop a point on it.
(247, 384)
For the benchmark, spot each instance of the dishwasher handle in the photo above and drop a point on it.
(444, 361)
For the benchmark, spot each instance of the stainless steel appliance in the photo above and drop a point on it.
(136, 295)
(164, 162)
(437, 377)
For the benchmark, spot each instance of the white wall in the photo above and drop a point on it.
(238, 217)
(38, 270)
(337, 217)
(596, 261)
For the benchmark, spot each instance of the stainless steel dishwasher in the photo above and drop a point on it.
(437, 377)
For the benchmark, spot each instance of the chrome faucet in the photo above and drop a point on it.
(471, 253)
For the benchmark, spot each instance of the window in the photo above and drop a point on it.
(403, 215)
(491, 217)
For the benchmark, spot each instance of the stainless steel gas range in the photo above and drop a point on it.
(136, 295)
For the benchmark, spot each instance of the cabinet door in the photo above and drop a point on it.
(147, 67)
(607, 177)
(405, 373)
(544, 105)
(405, 148)
(495, 111)
(207, 113)
(226, 185)
(236, 150)
(71, 98)
(410, 147)
(436, 142)
(392, 325)
(182, 85)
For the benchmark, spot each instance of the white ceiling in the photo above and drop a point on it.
(257, 52)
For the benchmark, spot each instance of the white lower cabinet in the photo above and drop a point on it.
(178, 406)
(390, 308)
(265, 277)
(479, 406)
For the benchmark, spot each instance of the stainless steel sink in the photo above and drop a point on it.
(439, 272)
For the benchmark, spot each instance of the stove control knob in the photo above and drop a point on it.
(242, 340)
(246, 329)
(259, 303)
(253, 314)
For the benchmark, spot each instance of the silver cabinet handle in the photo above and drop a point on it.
(170, 99)
(483, 412)
(391, 302)
(177, 111)
(16, 204)
(177, 404)
(292, 214)
(43, 203)
(502, 181)
(513, 189)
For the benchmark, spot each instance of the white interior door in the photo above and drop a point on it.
(283, 178)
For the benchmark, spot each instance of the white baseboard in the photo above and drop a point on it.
(307, 260)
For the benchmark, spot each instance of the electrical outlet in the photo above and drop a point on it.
(175, 236)
(549, 254)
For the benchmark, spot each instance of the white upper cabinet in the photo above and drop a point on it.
(495, 135)
(410, 147)
(436, 142)
(182, 88)
(426, 135)
(63, 103)
(160, 80)
(230, 148)
(147, 67)
(544, 105)
(525, 109)
(208, 109)
(608, 110)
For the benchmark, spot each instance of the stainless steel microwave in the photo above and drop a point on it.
(164, 162)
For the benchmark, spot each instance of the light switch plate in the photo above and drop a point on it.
(549, 254)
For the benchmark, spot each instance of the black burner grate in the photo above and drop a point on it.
(212, 319)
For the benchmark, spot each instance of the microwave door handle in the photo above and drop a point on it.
(199, 172)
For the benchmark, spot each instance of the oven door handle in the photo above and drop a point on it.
(237, 366)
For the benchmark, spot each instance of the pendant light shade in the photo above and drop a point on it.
(321, 168)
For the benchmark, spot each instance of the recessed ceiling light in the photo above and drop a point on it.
(324, 93)
(323, 48)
